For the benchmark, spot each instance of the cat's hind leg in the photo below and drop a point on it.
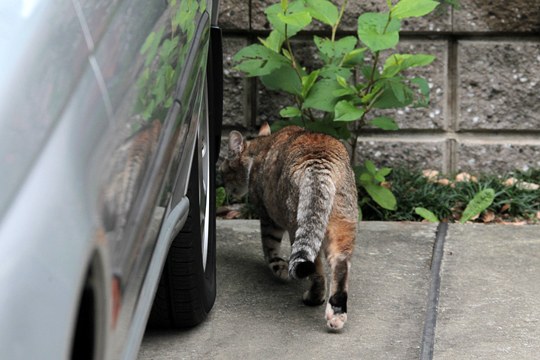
(341, 235)
(315, 295)
(271, 236)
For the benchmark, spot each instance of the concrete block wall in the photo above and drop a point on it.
(485, 85)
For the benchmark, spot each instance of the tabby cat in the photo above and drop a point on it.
(301, 182)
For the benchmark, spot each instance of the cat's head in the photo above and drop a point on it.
(236, 167)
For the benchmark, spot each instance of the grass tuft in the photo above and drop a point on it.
(447, 198)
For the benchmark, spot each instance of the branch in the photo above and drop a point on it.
(341, 11)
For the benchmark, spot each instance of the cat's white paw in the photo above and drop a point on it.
(334, 321)
(280, 269)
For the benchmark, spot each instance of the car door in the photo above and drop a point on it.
(149, 62)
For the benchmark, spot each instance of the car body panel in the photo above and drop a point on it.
(44, 258)
(93, 165)
(34, 93)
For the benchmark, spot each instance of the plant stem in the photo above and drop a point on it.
(341, 11)
(295, 67)
(359, 124)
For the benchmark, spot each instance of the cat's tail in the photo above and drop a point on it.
(316, 198)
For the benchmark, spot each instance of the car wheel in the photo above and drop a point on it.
(187, 288)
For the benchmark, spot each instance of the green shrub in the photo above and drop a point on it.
(360, 73)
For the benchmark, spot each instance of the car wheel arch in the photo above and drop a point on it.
(95, 310)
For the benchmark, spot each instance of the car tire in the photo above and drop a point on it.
(187, 287)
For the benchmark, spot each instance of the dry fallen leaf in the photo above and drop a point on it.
(523, 185)
(465, 177)
(431, 175)
(505, 207)
(386, 184)
(510, 182)
(445, 182)
(488, 216)
(232, 215)
(538, 215)
(527, 186)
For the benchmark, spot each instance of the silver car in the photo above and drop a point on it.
(110, 118)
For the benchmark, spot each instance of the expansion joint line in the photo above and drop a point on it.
(428, 336)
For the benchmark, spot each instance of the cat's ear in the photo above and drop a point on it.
(236, 143)
(265, 129)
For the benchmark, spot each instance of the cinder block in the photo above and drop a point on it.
(497, 15)
(270, 103)
(499, 85)
(498, 158)
(234, 14)
(236, 111)
(433, 116)
(415, 155)
(439, 20)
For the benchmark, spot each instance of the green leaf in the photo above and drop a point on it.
(280, 124)
(330, 71)
(346, 111)
(324, 11)
(381, 196)
(334, 51)
(320, 96)
(354, 57)
(284, 4)
(343, 92)
(379, 177)
(385, 123)
(342, 81)
(274, 41)
(298, 19)
(308, 81)
(370, 167)
(366, 72)
(399, 89)
(151, 49)
(221, 195)
(347, 89)
(258, 60)
(479, 203)
(326, 48)
(377, 32)
(395, 94)
(149, 40)
(143, 79)
(285, 79)
(323, 127)
(384, 171)
(149, 110)
(273, 12)
(344, 46)
(422, 85)
(365, 178)
(169, 102)
(290, 111)
(167, 49)
(342, 128)
(413, 8)
(426, 214)
(398, 62)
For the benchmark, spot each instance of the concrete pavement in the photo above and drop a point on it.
(472, 294)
